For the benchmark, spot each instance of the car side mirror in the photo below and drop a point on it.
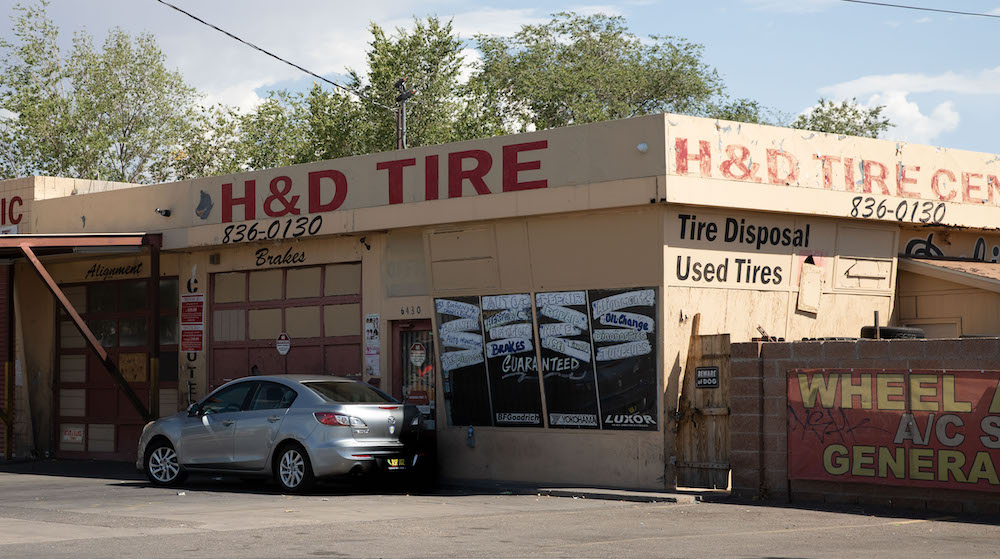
(194, 410)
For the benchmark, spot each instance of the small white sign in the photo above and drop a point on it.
(418, 354)
(283, 343)
(72, 435)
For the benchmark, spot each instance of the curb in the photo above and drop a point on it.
(620, 495)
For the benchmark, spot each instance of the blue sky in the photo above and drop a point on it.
(937, 74)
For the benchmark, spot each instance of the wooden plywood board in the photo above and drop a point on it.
(703, 431)
(133, 366)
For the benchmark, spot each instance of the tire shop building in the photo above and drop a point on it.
(537, 293)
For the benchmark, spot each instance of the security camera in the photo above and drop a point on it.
(163, 212)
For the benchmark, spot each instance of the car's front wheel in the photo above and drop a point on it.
(162, 465)
(292, 469)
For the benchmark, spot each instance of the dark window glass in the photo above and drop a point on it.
(134, 296)
(228, 399)
(104, 331)
(133, 332)
(168, 366)
(272, 396)
(168, 293)
(349, 392)
(101, 297)
(168, 330)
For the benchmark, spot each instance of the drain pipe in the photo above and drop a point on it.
(878, 330)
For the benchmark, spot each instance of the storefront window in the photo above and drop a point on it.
(168, 330)
(168, 294)
(598, 350)
(133, 295)
(101, 297)
(104, 331)
(133, 332)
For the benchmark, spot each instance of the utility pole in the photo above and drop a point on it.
(404, 94)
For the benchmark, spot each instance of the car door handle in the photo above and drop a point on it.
(228, 422)
(274, 418)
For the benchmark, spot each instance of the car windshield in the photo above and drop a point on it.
(349, 392)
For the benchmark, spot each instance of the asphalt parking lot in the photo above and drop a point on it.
(96, 510)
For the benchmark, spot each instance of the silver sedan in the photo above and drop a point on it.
(294, 428)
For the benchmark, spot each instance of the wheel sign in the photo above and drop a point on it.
(283, 343)
(418, 354)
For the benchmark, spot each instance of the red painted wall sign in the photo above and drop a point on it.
(895, 427)
(842, 173)
(327, 189)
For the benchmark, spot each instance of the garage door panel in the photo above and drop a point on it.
(267, 360)
(126, 411)
(97, 375)
(102, 402)
(307, 360)
(344, 360)
(319, 307)
(228, 363)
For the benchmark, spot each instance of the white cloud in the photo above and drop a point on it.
(984, 82)
(923, 20)
(470, 58)
(606, 9)
(490, 21)
(994, 12)
(790, 6)
(911, 125)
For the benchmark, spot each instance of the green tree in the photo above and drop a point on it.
(113, 114)
(847, 117)
(578, 69)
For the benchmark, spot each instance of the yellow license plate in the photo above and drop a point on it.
(396, 462)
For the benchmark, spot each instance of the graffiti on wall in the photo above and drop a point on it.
(945, 245)
(895, 427)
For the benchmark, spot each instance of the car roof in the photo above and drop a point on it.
(300, 378)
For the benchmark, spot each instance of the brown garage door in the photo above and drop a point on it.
(94, 418)
(318, 307)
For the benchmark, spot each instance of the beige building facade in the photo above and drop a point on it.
(534, 293)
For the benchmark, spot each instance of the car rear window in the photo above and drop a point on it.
(349, 392)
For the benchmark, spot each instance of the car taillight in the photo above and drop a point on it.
(330, 418)
(335, 419)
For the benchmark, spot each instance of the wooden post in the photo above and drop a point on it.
(154, 305)
(10, 371)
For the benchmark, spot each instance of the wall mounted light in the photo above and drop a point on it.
(643, 147)
(162, 211)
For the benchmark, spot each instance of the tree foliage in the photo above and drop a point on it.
(114, 113)
(579, 69)
(117, 113)
(848, 118)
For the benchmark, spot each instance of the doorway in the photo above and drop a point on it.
(413, 362)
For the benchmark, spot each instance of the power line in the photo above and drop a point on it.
(918, 8)
(276, 57)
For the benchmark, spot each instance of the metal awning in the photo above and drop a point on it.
(34, 246)
(973, 273)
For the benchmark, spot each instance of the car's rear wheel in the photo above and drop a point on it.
(163, 468)
(292, 469)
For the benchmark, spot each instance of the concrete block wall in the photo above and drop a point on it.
(759, 424)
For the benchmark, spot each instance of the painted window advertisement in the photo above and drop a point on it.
(623, 325)
(567, 360)
(463, 362)
(597, 350)
(510, 360)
